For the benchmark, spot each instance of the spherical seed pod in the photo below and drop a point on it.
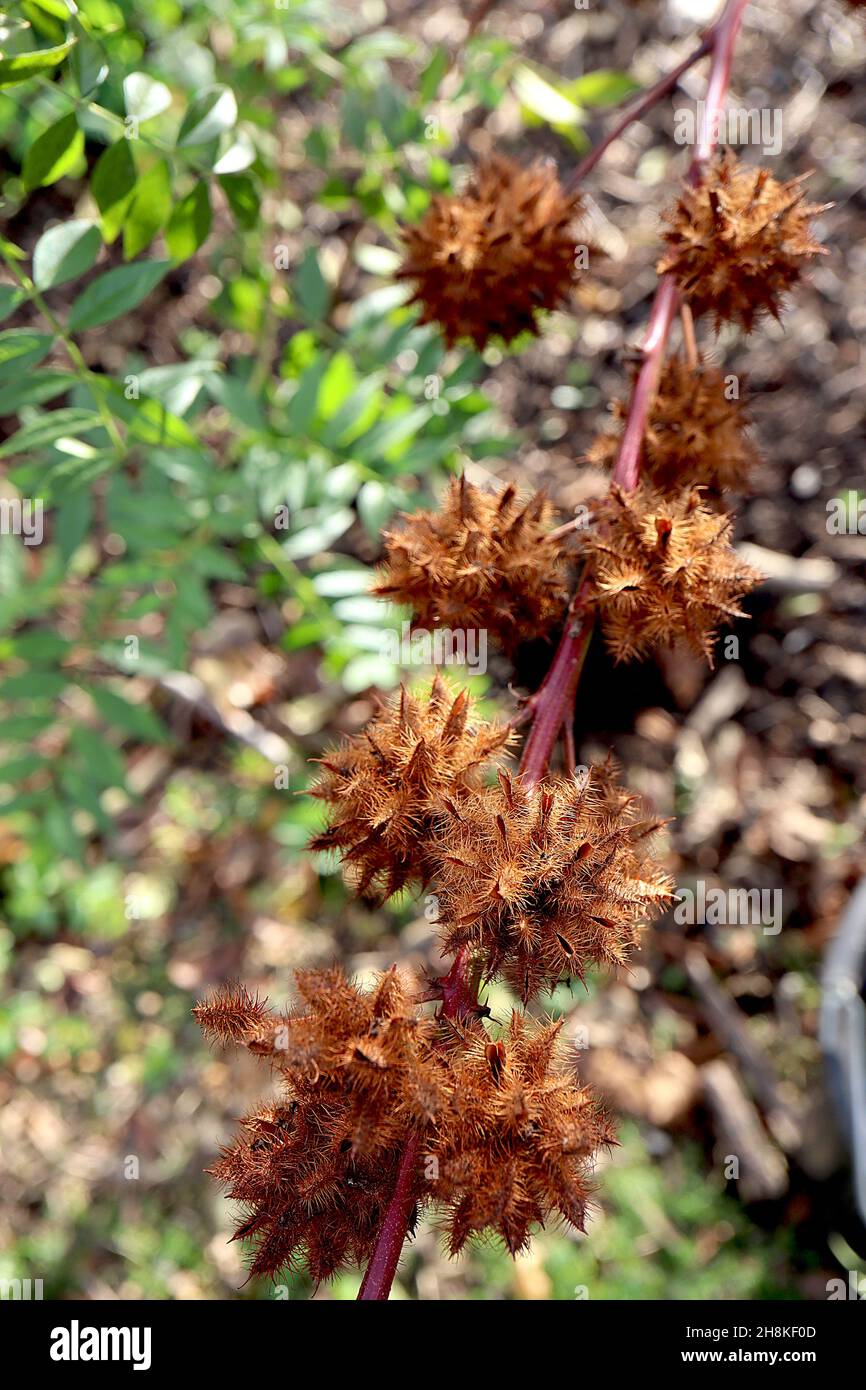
(485, 262)
(739, 241)
(696, 432)
(544, 882)
(481, 562)
(382, 786)
(663, 570)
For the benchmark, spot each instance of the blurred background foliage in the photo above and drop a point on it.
(214, 384)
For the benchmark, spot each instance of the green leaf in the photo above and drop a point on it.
(243, 199)
(368, 670)
(317, 147)
(302, 406)
(72, 521)
(114, 293)
(17, 770)
(64, 252)
(38, 647)
(25, 726)
(377, 503)
(342, 583)
(149, 420)
(176, 384)
(337, 384)
(303, 634)
(112, 186)
(433, 74)
(355, 118)
(38, 388)
(545, 100)
(21, 349)
(351, 418)
(47, 428)
(137, 720)
(49, 18)
(209, 113)
(311, 287)
(152, 423)
(89, 63)
(601, 88)
(189, 224)
(35, 435)
(364, 609)
(240, 155)
(144, 97)
(31, 685)
(61, 833)
(53, 153)
(103, 764)
(24, 65)
(150, 210)
(234, 396)
(378, 260)
(390, 432)
(314, 539)
(10, 298)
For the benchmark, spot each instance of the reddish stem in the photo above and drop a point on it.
(664, 308)
(726, 33)
(645, 102)
(458, 990)
(459, 996)
(663, 312)
(379, 1277)
(556, 695)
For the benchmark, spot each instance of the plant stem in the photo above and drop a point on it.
(459, 996)
(377, 1281)
(687, 323)
(725, 38)
(627, 469)
(556, 696)
(645, 102)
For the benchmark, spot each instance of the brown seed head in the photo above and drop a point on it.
(510, 1129)
(543, 883)
(381, 786)
(738, 242)
(516, 1139)
(663, 569)
(483, 561)
(486, 262)
(694, 434)
(316, 1167)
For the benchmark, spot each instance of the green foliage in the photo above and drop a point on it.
(267, 462)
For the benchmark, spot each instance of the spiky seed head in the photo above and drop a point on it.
(382, 785)
(516, 1138)
(696, 432)
(485, 262)
(512, 1132)
(482, 561)
(739, 241)
(663, 570)
(543, 882)
(315, 1168)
